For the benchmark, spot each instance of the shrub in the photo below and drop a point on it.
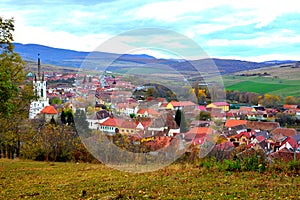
(294, 166)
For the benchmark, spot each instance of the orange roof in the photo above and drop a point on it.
(233, 122)
(114, 122)
(199, 130)
(141, 111)
(287, 106)
(49, 110)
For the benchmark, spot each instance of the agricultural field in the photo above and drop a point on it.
(282, 81)
(42, 180)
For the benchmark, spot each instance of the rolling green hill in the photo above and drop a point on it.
(282, 81)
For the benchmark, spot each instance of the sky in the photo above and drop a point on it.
(247, 30)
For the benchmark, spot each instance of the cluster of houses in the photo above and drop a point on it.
(117, 111)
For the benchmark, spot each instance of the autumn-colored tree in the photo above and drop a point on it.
(290, 100)
(270, 100)
(15, 94)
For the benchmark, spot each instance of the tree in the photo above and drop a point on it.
(181, 121)
(6, 34)
(178, 117)
(204, 115)
(70, 117)
(285, 119)
(56, 101)
(290, 100)
(63, 117)
(15, 94)
(82, 125)
(270, 100)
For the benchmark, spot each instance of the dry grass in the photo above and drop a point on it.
(42, 180)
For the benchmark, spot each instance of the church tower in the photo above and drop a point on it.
(40, 91)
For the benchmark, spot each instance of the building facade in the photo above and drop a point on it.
(40, 91)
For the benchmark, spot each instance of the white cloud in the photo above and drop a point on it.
(281, 38)
(58, 39)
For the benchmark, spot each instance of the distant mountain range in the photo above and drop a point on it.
(71, 58)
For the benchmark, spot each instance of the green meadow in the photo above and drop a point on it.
(263, 85)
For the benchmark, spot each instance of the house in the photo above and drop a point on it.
(292, 143)
(257, 125)
(110, 125)
(231, 123)
(217, 114)
(284, 131)
(187, 105)
(223, 105)
(288, 107)
(232, 131)
(261, 138)
(246, 110)
(127, 108)
(284, 155)
(196, 135)
(127, 127)
(49, 112)
(151, 113)
(96, 118)
(244, 137)
(143, 124)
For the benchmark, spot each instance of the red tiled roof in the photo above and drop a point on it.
(141, 111)
(164, 105)
(182, 103)
(247, 134)
(198, 132)
(114, 122)
(128, 124)
(233, 122)
(285, 131)
(49, 110)
(152, 111)
(220, 103)
(268, 126)
(260, 138)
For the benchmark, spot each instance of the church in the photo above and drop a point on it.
(40, 91)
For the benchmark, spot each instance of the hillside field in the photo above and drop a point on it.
(42, 180)
(281, 86)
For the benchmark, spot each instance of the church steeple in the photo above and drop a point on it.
(39, 66)
(40, 90)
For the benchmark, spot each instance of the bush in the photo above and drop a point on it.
(294, 166)
(254, 163)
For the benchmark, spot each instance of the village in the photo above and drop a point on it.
(112, 106)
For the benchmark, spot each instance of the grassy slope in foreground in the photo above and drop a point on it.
(42, 180)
